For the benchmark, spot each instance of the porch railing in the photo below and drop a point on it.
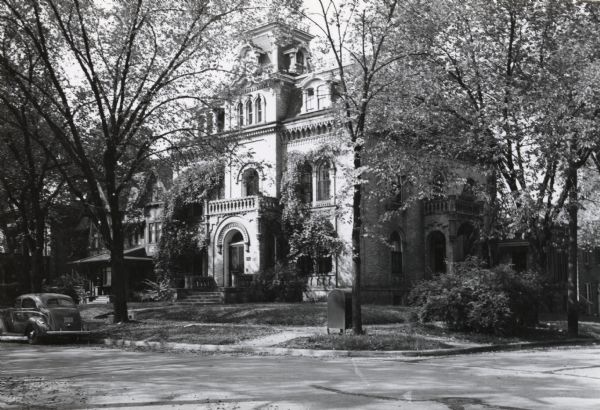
(449, 205)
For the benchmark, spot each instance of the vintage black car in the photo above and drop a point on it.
(41, 315)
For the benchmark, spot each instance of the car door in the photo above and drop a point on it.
(23, 310)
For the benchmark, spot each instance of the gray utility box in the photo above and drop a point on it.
(339, 310)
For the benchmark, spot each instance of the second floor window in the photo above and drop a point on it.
(324, 182)
(250, 182)
(306, 184)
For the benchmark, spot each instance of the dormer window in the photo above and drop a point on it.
(240, 114)
(248, 112)
(310, 99)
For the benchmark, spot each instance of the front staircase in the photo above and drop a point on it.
(198, 297)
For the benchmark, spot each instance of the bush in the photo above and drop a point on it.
(279, 284)
(71, 285)
(474, 298)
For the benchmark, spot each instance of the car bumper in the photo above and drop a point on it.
(67, 333)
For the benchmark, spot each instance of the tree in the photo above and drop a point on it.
(121, 83)
(29, 180)
(517, 81)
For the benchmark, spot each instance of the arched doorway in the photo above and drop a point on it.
(466, 237)
(437, 252)
(234, 249)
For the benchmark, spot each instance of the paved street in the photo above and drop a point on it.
(78, 377)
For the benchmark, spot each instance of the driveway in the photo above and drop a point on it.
(81, 377)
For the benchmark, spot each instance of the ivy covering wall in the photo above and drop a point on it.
(309, 233)
(184, 232)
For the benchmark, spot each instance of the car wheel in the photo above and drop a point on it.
(33, 335)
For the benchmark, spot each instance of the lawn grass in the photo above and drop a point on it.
(384, 342)
(279, 314)
(388, 327)
(161, 331)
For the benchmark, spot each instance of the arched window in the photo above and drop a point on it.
(249, 112)
(250, 182)
(306, 185)
(324, 182)
(258, 109)
(396, 254)
(240, 114)
(438, 184)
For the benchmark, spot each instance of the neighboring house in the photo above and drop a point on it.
(142, 235)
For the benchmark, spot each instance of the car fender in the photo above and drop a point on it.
(39, 323)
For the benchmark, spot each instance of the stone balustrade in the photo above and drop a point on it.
(321, 281)
(452, 205)
(239, 205)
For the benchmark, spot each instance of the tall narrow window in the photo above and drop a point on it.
(322, 95)
(250, 181)
(310, 99)
(220, 119)
(259, 112)
(324, 182)
(240, 114)
(299, 62)
(306, 184)
(248, 112)
(154, 232)
(396, 254)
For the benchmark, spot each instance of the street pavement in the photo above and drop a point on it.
(88, 377)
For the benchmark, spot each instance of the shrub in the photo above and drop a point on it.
(474, 298)
(281, 283)
(160, 290)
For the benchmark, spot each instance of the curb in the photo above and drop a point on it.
(282, 351)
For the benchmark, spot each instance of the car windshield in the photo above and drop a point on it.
(59, 302)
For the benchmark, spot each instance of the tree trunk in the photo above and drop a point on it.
(356, 251)
(119, 279)
(572, 210)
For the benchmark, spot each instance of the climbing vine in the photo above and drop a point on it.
(308, 233)
(183, 232)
